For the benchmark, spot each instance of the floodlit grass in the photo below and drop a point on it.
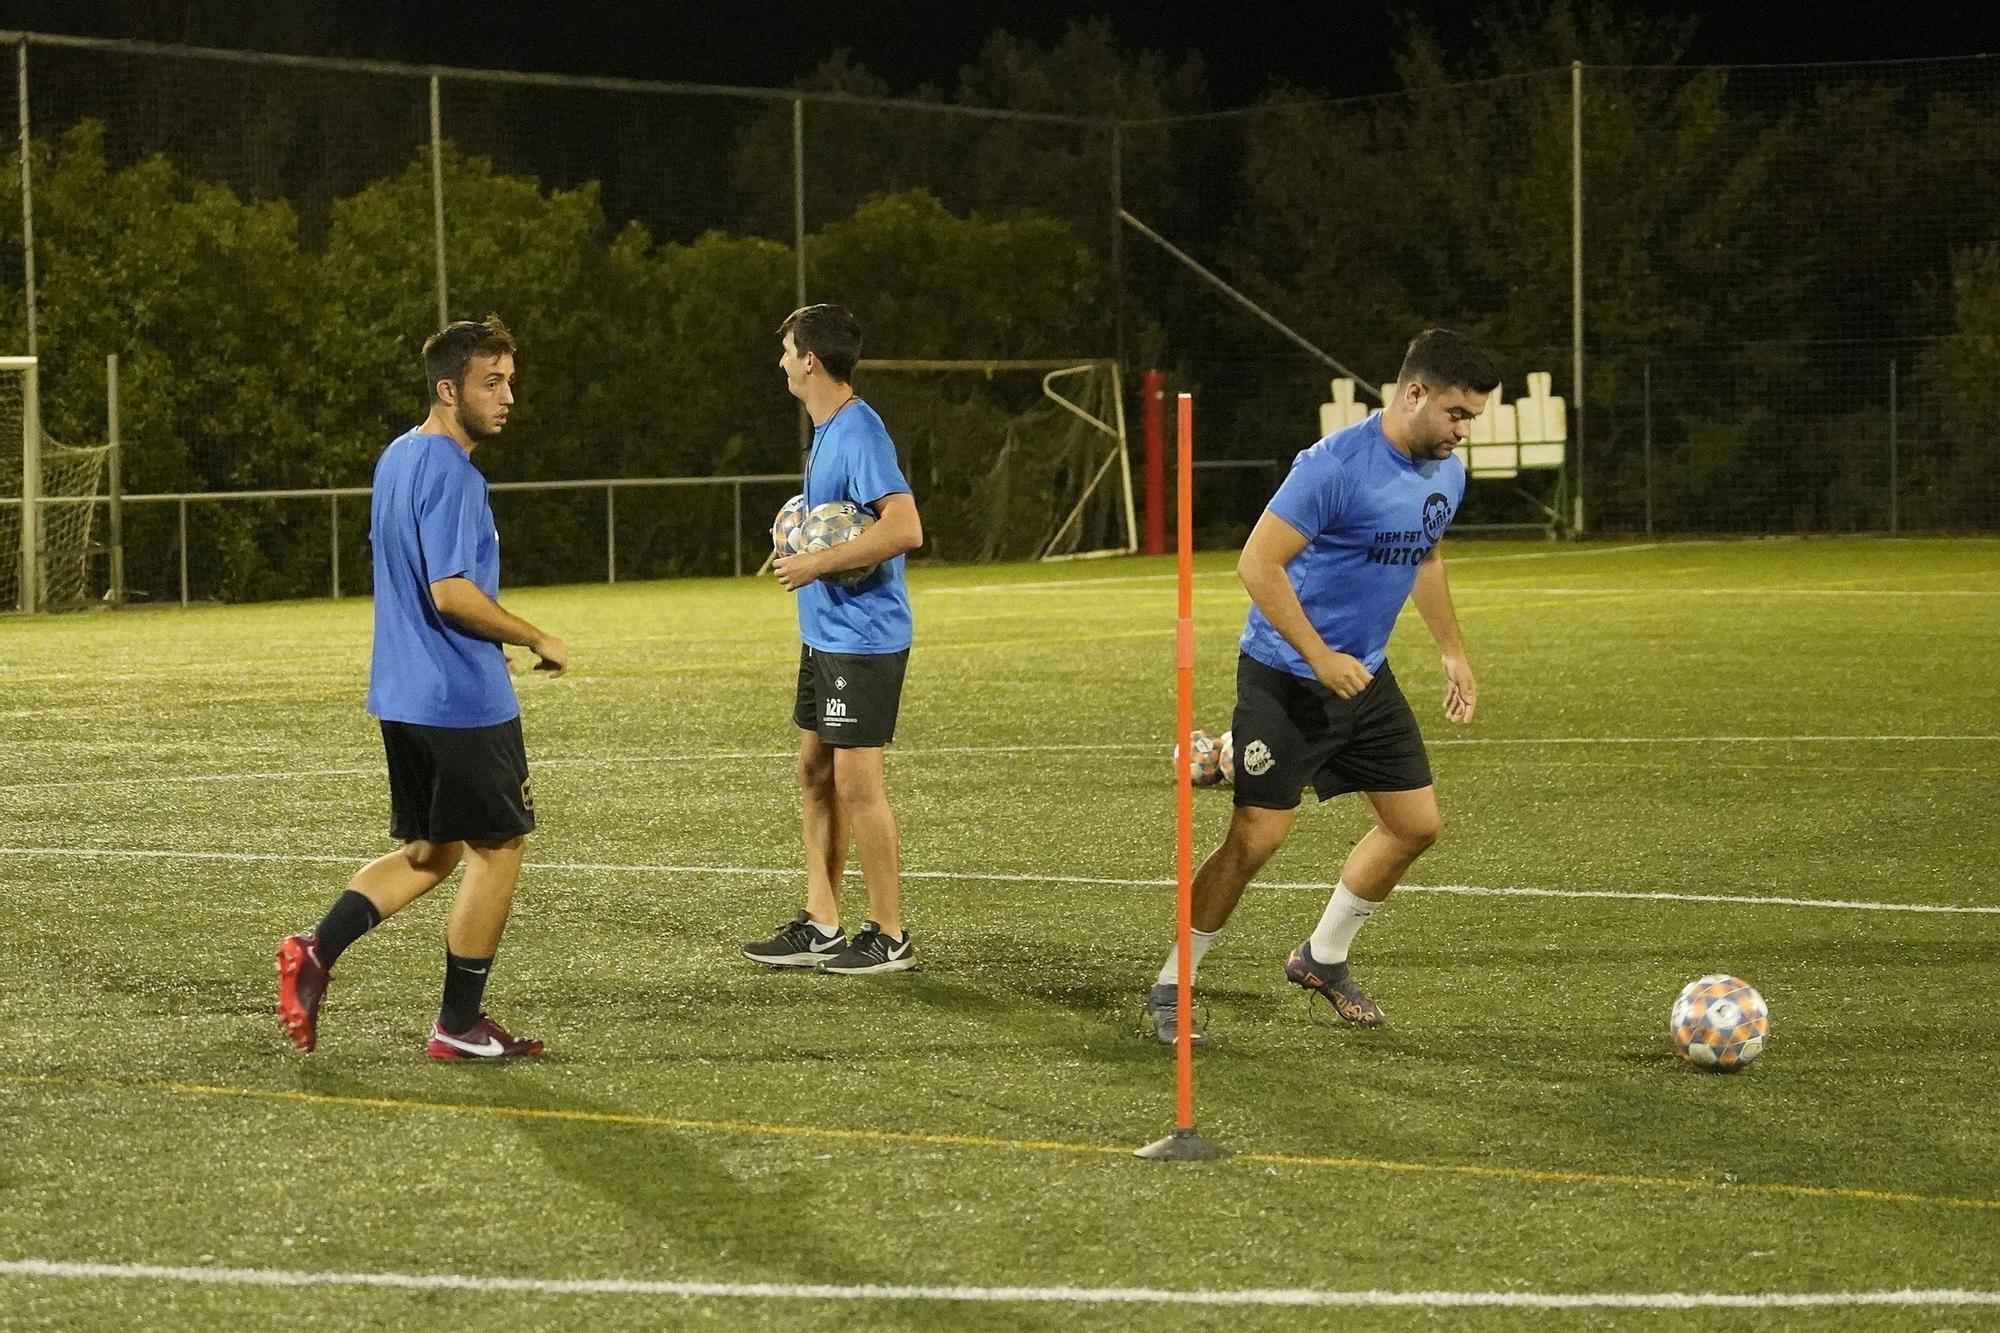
(1813, 720)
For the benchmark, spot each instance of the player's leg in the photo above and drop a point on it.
(1275, 753)
(1386, 760)
(814, 935)
(485, 801)
(863, 697)
(826, 831)
(378, 890)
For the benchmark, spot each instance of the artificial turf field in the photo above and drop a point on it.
(1776, 759)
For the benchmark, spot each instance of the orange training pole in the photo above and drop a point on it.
(1184, 728)
(1184, 1145)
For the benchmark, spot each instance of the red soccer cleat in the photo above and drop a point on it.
(301, 987)
(484, 1040)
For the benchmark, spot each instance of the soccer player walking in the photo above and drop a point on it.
(451, 726)
(855, 644)
(1352, 533)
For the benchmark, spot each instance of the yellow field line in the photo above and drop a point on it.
(819, 1132)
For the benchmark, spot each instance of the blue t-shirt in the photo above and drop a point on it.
(429, 520)
(854, 459)
(1369, 515)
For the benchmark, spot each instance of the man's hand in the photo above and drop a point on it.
(1461, 691)
(796, 571)
(1342, 674)
(551, 654)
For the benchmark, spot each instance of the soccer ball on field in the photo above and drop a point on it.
(785, 530)
(831, 524)
(1720, 1022)
(1202, 765)
(1225, 756)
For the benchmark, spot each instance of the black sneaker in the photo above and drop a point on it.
(798, 943)
(871, 951)
(1333, 981)
(1163, 1011)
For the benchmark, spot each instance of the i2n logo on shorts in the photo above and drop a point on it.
(1257, 759)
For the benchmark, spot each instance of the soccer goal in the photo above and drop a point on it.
(1012, 460)
(48, 501)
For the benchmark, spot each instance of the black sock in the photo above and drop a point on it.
(464, 986)
(350, 917)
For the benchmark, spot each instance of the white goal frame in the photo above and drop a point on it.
(31, 478)
(1054, 370)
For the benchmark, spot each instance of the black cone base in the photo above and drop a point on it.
(1183, 1145)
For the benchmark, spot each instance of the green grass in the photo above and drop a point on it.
(1645, 726)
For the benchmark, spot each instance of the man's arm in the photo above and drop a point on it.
(460, 600)
(1273, 545)
(1431, 595)
(897, 528)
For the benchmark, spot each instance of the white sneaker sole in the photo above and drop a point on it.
(789, 959)
(893, 965)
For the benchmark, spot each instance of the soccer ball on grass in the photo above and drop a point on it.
(1720, 1022)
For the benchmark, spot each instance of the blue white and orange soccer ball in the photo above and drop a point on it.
(1225, 756)
(831, 524)
(1720, 1022)
(1204, 756)
(785, 528)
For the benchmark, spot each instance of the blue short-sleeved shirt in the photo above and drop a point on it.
(429, 520)
(1369, 514)
(854, 459)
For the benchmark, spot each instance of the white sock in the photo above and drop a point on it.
(1202, 940)
(826, 932)
(1344, 916)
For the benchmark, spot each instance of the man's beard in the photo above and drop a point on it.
(478, 430)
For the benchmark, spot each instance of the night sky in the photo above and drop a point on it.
(1335, 48)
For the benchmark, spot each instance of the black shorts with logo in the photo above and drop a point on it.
(850, 699)
(1289, 731)
(458, 784)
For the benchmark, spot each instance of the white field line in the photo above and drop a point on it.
(682, 757)
(1003, 877)
(1455, 561)
(816, 1291)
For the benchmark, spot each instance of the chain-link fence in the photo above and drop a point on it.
(1789, 280)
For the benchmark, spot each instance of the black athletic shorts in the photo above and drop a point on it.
(1290, 731)
(850, 699)
(458, 784)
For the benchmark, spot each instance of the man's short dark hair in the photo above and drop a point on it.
(830, 333)
(450, 350)
(1442, 359)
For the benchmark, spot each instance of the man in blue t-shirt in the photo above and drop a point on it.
(451, 728)
(1352, 533)
(854, 632)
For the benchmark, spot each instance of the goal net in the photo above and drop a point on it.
(1011, 460)
(48, 502)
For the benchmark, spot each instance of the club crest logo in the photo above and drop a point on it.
(840, 682)
(1437, 513)
(1257, 759)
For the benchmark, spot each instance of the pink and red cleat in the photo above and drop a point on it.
(484, 1040)
(301, 987)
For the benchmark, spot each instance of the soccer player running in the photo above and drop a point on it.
(1352, 533)
(451, 727)
(855, 643)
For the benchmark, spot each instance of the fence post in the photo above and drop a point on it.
(1576, 282)
(116, 480)
(610, 533)
(333, 540)
(736, 528)
(437, 198)
(799, 236)
(183, 506)
(27, 192)
(1895, 513)
(1649, 448)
